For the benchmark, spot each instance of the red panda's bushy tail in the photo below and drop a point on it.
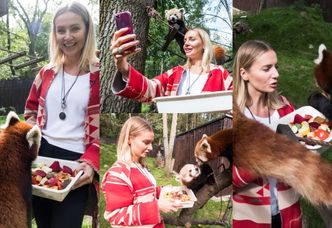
(267, 154)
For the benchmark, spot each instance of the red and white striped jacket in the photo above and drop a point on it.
(131, 199)
(251, 198)
(143, 89)
(35, 114)
(35, 110)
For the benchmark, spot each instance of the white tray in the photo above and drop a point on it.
(187, 204)
(58, 195)
(303, 111)
(205, 102)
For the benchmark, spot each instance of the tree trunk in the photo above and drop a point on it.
(108, 8)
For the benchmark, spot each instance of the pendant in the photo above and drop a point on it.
(62, 115)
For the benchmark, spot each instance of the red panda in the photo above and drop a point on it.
(322, 101)
(265, 153)
(188, 173)
(175, 18)
(323, 69)
(210, 147)
(195, 177)
(19, 145)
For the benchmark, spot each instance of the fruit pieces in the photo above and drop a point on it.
(53, 177)
(68, 170)
(307, 126)
(55, 166)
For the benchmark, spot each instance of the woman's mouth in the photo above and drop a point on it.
(69, 44)
(274, 85)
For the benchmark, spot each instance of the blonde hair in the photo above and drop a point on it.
(244, 58)
(208, 50)
(131, 128)
(88, 55)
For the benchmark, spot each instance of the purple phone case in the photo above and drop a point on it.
(122, 20)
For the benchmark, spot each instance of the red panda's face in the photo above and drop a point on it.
(174, 15)
(203, 149)
(188, 174)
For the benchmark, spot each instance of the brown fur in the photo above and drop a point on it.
(265, 153)
(16, 156)
(323, 72)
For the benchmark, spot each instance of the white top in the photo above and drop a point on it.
(272, 181)
(195, 83)
(68, 133)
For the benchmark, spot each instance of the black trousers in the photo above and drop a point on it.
(66, 214)
(276, 221)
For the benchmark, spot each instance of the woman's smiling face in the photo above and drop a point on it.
(70, 33)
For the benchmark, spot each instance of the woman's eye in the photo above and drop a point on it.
(61, 31)
(75, 29)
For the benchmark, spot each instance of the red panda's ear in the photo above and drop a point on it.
(12, 118)
(322, 51)
(205, 145)
(182, 10)
(33, 137)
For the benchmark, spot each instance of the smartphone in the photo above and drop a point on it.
(122, 20)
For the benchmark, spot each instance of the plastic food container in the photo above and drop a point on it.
(58, 195)
(205, 102)
(170, 189)
(303, 111)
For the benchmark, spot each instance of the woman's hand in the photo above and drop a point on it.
(122, 47)
(87, 176)
(167, 206)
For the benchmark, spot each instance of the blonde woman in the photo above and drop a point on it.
(196, 76)
(261, 202)
(131, 192)
(64, 103)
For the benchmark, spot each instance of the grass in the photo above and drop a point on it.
(295, 32)
(210, 211)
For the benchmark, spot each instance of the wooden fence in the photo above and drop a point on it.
(185, 143)
(13, 93)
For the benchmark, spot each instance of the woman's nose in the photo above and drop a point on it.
(150, 146)
(275, 73)
(67, 35)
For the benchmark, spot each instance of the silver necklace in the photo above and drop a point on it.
(268, 110)
(64, 94)
(191, 85)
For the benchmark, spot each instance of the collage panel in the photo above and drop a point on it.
(49, 140)
(161, 54)
(158, 167)
(120, 113)
(282, 112)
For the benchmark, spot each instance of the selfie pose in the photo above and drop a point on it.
(131, 192)
(64, 103)
(198, 75)
(261, 202)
